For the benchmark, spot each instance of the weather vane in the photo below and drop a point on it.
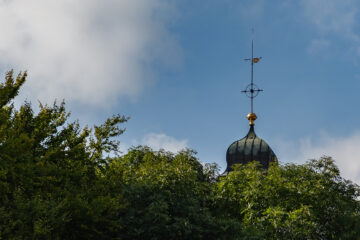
(252, 90)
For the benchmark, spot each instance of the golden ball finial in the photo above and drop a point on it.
(251, 117)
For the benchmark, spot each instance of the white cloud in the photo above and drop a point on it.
(87, 51)
(333, 17)
(161, 141)
(344, 150)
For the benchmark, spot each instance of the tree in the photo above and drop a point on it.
(61, 181)
(49, 170)
(58, 182)
(168, 196)
(310, 201)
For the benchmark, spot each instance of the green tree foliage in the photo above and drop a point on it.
(309, 201)
(61, 181)
(168, 196)
(49, 170)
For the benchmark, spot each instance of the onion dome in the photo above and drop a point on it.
(248, 149)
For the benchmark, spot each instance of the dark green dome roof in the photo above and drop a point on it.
(250, 148)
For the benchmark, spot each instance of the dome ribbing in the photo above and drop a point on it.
(250, 148)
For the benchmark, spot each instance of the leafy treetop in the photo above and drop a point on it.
(61, 181)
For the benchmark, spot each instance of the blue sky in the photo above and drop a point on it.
(176, 68)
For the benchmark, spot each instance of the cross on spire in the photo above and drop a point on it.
(252, 90)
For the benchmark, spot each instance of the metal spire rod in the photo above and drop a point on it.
(252, 76)
(252, 90)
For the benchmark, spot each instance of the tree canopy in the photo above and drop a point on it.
(59, 180)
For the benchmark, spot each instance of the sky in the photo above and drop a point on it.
(177, 68)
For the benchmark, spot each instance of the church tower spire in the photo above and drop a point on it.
(251, 147)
